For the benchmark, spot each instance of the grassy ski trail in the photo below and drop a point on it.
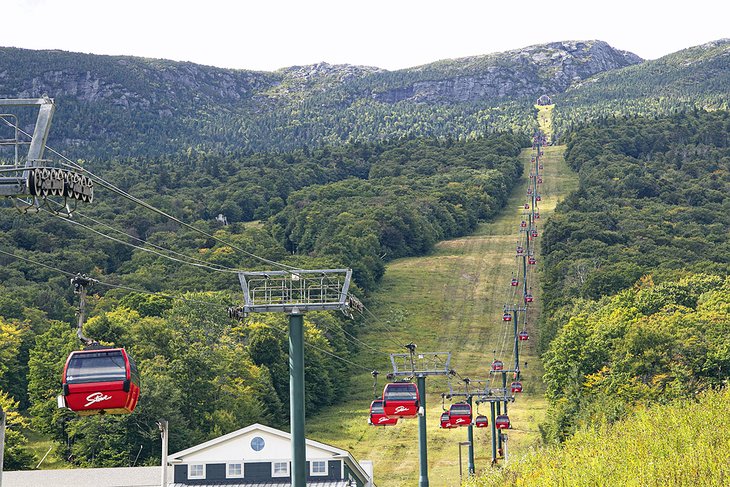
(449, 301)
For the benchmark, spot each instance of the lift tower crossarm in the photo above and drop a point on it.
(42, 126)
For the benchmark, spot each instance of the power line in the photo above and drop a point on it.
(311, 345)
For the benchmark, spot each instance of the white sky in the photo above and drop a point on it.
(390, 34)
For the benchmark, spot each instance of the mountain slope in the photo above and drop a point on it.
(697, 76)
(120, 105)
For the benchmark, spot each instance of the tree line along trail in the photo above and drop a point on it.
(451, 300)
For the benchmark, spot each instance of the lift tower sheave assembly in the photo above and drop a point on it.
(294, 292)
(420, 365)
(31, 182)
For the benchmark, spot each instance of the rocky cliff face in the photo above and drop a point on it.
(134, 106)
(130, 82)
(546, 68)
(143, 83)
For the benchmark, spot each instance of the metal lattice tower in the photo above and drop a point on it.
(304, 290)
(421, 365)
(294, 292)
(29, 184)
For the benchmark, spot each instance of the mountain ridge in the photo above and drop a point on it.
(129, 106)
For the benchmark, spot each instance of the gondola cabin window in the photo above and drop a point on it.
(96, 367)
(401, 392)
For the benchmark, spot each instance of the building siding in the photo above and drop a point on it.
(181, 473)
(216, 471)
(253, 472)
(350, 473)
(258, 471)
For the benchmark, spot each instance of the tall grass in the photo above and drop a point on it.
(683, 443)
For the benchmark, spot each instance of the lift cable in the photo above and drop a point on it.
(220, 267)
(327, 352)
(390, 333)
(169, 296)
(115, 286)
(102, 182)
(143, 249)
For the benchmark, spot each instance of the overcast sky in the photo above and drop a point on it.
(390, 34)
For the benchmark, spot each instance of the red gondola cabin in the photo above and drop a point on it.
(502, 422)
(506, 317)
(377, 415)
(445, 421)
(460, 414)
(523, 335)
(100, 381)
(520, 249)
(516, 387)
(514, 282)
(523, 224)
(497, 365)
(481, 421)
(531, 261)
(527, 206)
(528, 298)
(401, 400)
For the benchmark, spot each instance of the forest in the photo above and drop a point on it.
(356, 205)
(635, 266)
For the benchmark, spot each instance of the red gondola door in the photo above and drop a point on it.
(100, 381)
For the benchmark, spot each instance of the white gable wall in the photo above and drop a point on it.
(239, 448)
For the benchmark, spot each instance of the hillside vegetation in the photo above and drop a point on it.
(121, 106)
(449, 300)
(678, 444)
(353, 206)
(698, 76)
(637, 310)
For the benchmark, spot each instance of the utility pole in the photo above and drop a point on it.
(295, 292)
(494, 434)
(421, 365)
(296, 397)
(422, 441)
(516, 310)
(470, 439)
(2, 442)
(164, 434)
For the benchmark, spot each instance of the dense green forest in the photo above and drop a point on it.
(626, 322)
(127, 106)
(693, 77)
(355, 206)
